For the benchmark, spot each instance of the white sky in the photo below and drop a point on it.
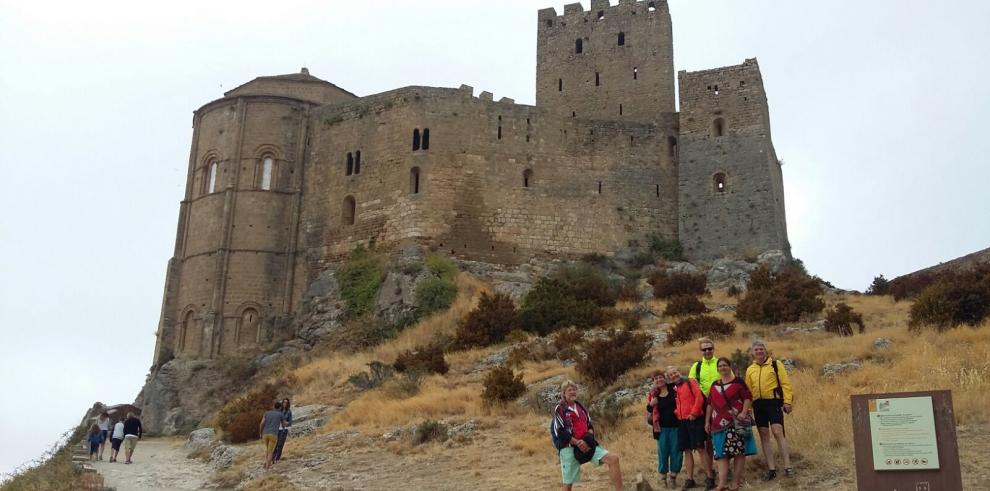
(878, 109)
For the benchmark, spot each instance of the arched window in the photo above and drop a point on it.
(635, 73)
(579, 46)
(718, 182)
(247, 329)
(350, 163)
(189, 337)
(718, 127)
(527, 177)
(357, 162)
(416, 139)
(426, 138)
(211, 182)
(267, 169)
(414, 180)
(349, 211)
(622, 39)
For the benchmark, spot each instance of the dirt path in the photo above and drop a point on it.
(159, 465)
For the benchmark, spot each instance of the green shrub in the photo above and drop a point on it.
(517, 336)
(442, 267)
(630, 321)
(490, 322)
(358, 334)
(880, 286)
(430, 431)
(840, 319)
(606, 359)
(666, 285)
(434, 294)
(426, 359)
(911, 285)
(376, 375)
(502, 385)
(740, 361)
(956, 298)
(404, 386)
(693, 328)
(550, 305)
(669, 249)
(359, 278)
(733, 291)
(585, 282)
(238, 419)
(783, 297)
(684, 305)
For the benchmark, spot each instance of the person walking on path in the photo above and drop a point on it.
(132, 433)
(271, 421)
(95, 439)
(729, 422)
(573, 435)
(103, 421)
(773, 396)
(283, 432)
(116, 438)
(661, 408)
(691, 435)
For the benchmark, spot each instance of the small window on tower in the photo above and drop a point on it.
(635, 73)
(601, 15)
(350, 164)
(357, 162)
(267, 166)
(426, 138)
(414, 180)
(622, 39)
(652, 7)
(527, 177)
(416, 139)
(579, 45)
(349, 210)
(598, 79)
(719, 183)
(212, 184)
(718, 127)
(560, 85)
(549, 23)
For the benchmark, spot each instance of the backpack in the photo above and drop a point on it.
(697, 377)
(778, 392)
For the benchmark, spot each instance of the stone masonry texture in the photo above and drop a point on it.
(287, 174)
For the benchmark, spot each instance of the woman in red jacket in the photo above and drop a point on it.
(691, 431)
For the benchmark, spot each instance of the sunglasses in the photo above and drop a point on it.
(707, 349)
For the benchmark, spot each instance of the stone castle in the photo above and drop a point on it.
(289, 173)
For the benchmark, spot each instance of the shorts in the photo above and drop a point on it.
(270, 439)
(105, 437)
(94, 447)
(130, 442)
(570, 468)
(691, 434)
(115, 443)
(768, 412)
(718, 444)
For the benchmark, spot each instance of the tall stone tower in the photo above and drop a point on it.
(611, 63)
(230, 276)
(731, 188)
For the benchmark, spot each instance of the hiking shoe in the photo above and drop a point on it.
(709, 484)
(689, 484)
(789, 471)
(770, 475)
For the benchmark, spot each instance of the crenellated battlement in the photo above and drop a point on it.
(600, 10)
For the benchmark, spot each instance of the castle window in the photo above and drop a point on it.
(620, 109)
(211, 183)
(549, 23)
(622, 39)
(247, 330)
(635, 73)
(267, 168)
(579, 46)
(499, 132)
(416, 139)
(719, 183)
(652, 7)
(658, 190)
(426, 138)
(187, 331)
(349, 211)
(560, 85)
(599, 187)
(598, 79)
(527, 177)
(672, 147)
(357, 162)
(350, 164)
(414, 180)
(718, 127)
(601, 15)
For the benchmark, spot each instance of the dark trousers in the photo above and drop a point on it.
(279, 443)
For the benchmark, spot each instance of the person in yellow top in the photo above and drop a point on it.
(705, 370)
(772, 397)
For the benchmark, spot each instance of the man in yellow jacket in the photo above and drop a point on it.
(772, 397)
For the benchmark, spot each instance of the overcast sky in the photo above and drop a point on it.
(878, 109)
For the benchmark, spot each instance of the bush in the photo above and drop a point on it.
(376, 375)
(550, 305)
(568, 342)
(841, 318)
(630, 321)
(430, 431)
(490, 322)
(740, 361)
(360, 277)
(502, 385)
(629, 292)
(957, 298)
(607, 359)
(517, 336)
(585, 282)
(693, 328)
(911, 285)
(782, 297)
(426, 359)
(880, 286)
(441, 267)
(684, 305)
(238, 419)
(609, 414)
(669, 249)
(434, 294)
(405, 386)
(666, 285)
(733, 291)
(358, 334)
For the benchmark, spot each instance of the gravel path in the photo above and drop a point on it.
(159, 465)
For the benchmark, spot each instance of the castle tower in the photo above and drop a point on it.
(228, 283)
(730, 183)
(611, 63)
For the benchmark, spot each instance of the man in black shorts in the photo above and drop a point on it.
(772, 398)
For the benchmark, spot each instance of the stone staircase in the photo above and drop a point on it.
(90, 479)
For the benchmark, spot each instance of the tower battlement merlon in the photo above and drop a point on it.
(575, 11)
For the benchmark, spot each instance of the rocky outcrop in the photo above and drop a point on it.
(180, 395)
(322, 308)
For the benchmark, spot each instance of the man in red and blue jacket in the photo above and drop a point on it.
(573, 431)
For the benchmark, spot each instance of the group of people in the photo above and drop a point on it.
(274, 429)
(124, 432)
(710, 413)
